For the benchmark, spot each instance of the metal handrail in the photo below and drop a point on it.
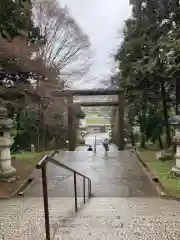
(42, 165)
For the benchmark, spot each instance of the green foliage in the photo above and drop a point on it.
(162, 171)
(166, 157)
(30, 158)
(149, 64)
(15, 20)
(27, 130)
(16, 89)
(39, 116)
(154, 127)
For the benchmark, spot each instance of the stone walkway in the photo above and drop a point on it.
(125, 206)
(99, 219)
(117, 175)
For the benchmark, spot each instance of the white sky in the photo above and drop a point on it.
(101, 20)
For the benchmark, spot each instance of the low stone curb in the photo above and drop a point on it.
(163, 193)
(15, 193)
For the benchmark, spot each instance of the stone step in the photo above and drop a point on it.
(100, 218)
(113, 218)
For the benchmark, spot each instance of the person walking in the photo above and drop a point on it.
(106, 144)
(89, 148)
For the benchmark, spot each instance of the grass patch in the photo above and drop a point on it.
(162, 171)
(24, 163)
(29, 157)
(97, 120)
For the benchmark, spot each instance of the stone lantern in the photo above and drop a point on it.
(6, 170)
(175, 122)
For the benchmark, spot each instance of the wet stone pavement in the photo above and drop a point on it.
(126, 206)
(117, 175)
(100, 219)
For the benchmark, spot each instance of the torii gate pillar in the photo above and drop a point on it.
(71, 127)
(121, 121)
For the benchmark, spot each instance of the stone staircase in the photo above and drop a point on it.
(125, 206)
(100, 218)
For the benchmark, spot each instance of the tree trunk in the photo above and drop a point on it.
(43, 132)
(143, 130)
(177, 95)
(17, 138)
(143, 141)
(41, 129)
(46, 138)
(160, 142)
(132, 139)
(38, 127)
(165, 113)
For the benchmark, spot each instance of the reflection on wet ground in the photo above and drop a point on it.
(117, 175)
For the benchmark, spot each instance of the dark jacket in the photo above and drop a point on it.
(89, 149)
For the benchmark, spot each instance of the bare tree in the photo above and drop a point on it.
(67, 48)
(64, 54)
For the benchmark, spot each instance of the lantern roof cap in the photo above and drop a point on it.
(174, 120)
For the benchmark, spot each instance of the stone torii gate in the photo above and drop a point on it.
(69, 94)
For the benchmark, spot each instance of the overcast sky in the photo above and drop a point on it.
(101, 20)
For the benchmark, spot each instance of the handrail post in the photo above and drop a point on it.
(45, 198)
(75, 191)
(84, 189)
(90, 188)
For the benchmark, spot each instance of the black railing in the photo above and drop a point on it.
(42, 165)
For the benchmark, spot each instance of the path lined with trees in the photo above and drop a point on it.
(117, 175)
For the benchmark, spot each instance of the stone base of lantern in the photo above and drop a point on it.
(5, 174)
(175, 171)
(6, 170)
